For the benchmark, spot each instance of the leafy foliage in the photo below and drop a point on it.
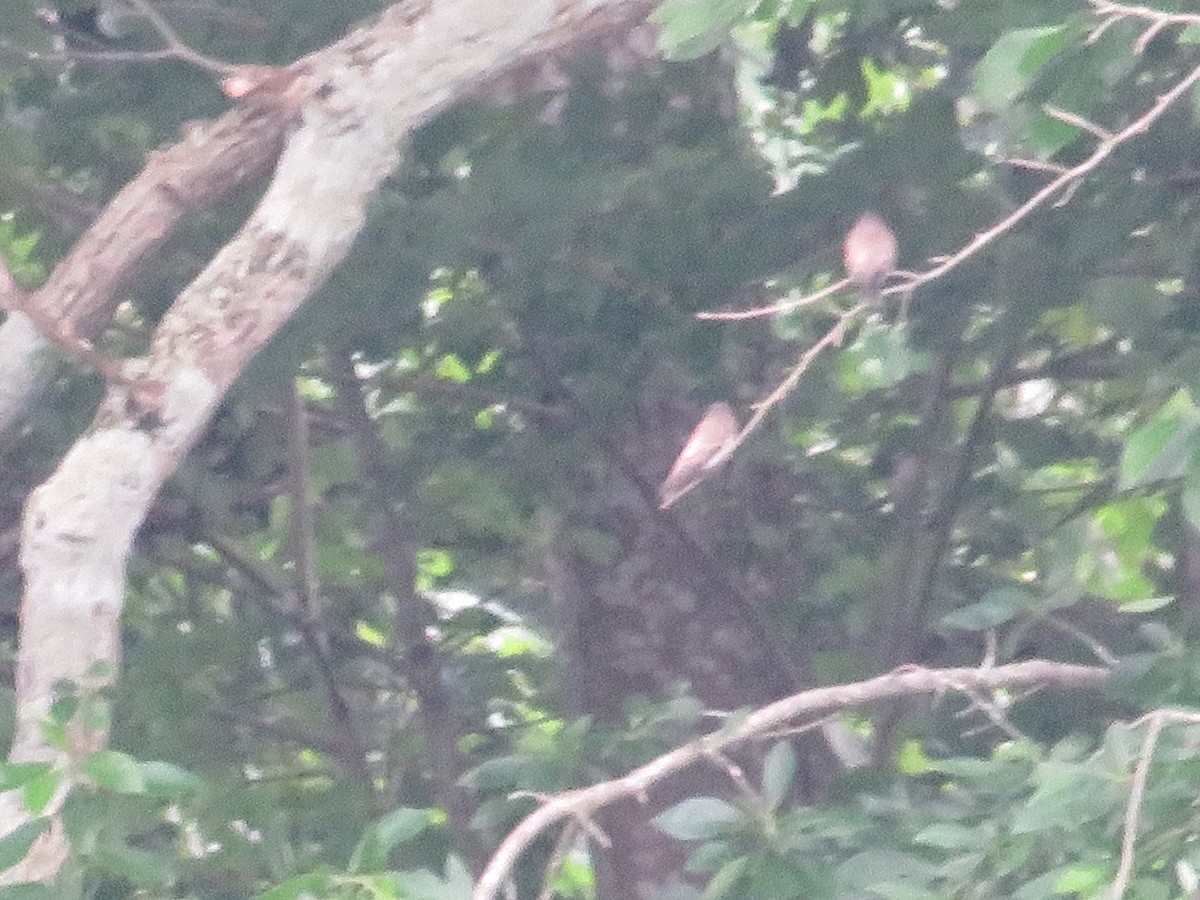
(1005, 469)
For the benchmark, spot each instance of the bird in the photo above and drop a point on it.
(870, 255)
(707, 448)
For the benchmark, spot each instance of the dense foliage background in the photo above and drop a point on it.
(414, 578)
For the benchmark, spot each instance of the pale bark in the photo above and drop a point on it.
(351, 104)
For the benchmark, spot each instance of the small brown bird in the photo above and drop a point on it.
(870, 254)
(707, 448)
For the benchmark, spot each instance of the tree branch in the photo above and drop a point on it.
(906, 681)
(1155, 722)
(354, 102)
(421, 661)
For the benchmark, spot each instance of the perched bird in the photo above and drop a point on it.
(870, 254)
(709, 445)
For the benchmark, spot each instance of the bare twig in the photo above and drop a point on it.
(1113, 13)
(1062, 186)
(780, 306)
(308, 588)
(421, 657)
(1155, 721)
(911, 680)
(1148, 35)
(1102, 653)
(175, 45)
(1124, 11)
(831, 338)
(1078, 121)
(1036, 164)
(1103, 150)
(1065, 181)
(561, 847)
(994, 714)
(737, 776)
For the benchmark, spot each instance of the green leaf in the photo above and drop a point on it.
(948, 836)
(15, 775)
(876, 870)
(911, 759)
(39, 791)
(502, 772)
(435, 563)
(141, 867)
(1067, 792)
(16, 844)
(115, 771)
(994, 608)
(424, 885)
(727, 878)
(575, 878)
(302, 887)
(779, 768)
(378, 840)
(691, 28)
(164, 779)
(1007, 69)
(699, 818)
(1162, 448)
(1083, 879)
(29, 892)
(451, 368)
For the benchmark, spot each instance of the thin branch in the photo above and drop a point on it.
(1062, 186)
(94, 56)
(1078, 121)
(1123, 11)
(561, 847)
(737, 776)
(994, 715)
(1065, 179)
(1036, 164)
(1144, 39)
(1102, 653)
(422, 661)
(1103, 150)
(907, 681)
(1156, 720)
(308, 588)
(780, 306)
(303, 528)
(179, 49)
(351, 750)
(832, 338)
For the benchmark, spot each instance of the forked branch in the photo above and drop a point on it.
(580, 805)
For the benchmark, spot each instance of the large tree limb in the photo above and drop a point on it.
(83, 291)
(354, 102)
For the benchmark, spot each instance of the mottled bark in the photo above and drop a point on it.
(351, 105)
